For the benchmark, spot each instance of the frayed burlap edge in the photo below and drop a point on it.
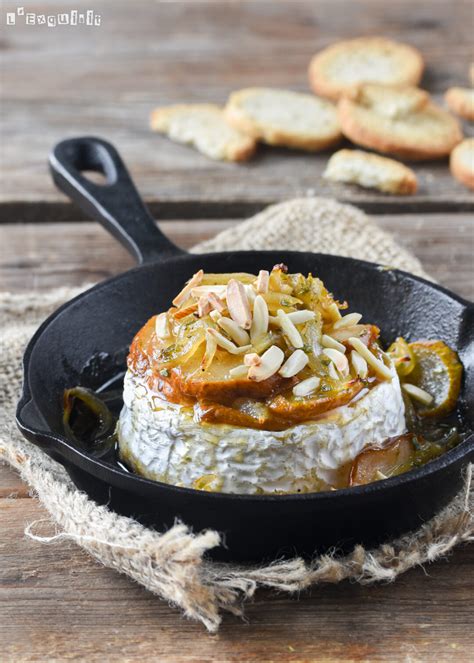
(172, 564)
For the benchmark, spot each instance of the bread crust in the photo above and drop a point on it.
(429, 133)
(371, 171)
(269, 132)
(461, 162)
(407, 70)
(238, 147)
(461, 101)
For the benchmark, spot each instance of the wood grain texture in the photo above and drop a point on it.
(42, 256)
(106, 80)
(56, 604)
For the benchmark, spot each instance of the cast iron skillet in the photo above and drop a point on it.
(101, 322)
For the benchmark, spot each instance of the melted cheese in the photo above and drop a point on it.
(162, 441)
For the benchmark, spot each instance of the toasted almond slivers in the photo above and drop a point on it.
(183, 312)
(250, 292)
(289, 329)
(216, 302)
(418, 394)
(262, 280)
(259, 325)
(225, 344)
(296, 317)
(236, 333)
(348, 320)
(294, 364)
(359, 364)
(162, 328)
(252, 359)
(238, 304)
(186, 291)
(338, 359)
(271, 360)
(200, 290)
(379, 367)
(203, 306)
(239, 371)
(209, 352)
(299, 317)
(307, 386)
(332, 372)
(330, 342)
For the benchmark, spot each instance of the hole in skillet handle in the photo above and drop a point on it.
(116, 204)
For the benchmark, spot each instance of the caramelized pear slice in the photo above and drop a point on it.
(296, 410)
(377, 462)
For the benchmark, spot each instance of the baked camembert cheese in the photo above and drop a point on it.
(256, 384)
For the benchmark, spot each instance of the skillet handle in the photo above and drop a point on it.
(116, 204)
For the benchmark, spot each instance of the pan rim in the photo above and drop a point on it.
(448, 458)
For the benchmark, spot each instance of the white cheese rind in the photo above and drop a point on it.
(168, 445)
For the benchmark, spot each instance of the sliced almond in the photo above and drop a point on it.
(203, 306)
(225, 344)
(183, 312)
(271, 360)
(307, 386)
(262, 280)
(162, 328)
(200, 290)
(339, 360)
(332, 372)
(238, 304)
(417, 394)
(215, 315)
(239, 371)
(259, 325)
(300, 317)
(252, 359)
(250, 292)
(359, 364)
(294, 364)
(209, 352)
(330, 342)
(289, 329)
(216, 302)
(237, 334)
(186, 291)
(348, 320)
(378, 366)
(296, 317)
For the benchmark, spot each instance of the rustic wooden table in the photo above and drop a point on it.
(55, 602)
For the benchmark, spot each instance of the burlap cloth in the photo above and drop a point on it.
(172, 564)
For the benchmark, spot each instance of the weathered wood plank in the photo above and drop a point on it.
(41, 256)
(56, 603)
(145, 54)
(11, 486)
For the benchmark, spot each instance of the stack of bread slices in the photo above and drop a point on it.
(365, 90)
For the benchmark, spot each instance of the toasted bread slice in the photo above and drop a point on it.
(371, 171)
(388, 101)
(281, 117)
(427, 133)
(342, 67)
(461, 101)
(204, 127)
(461, 162)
